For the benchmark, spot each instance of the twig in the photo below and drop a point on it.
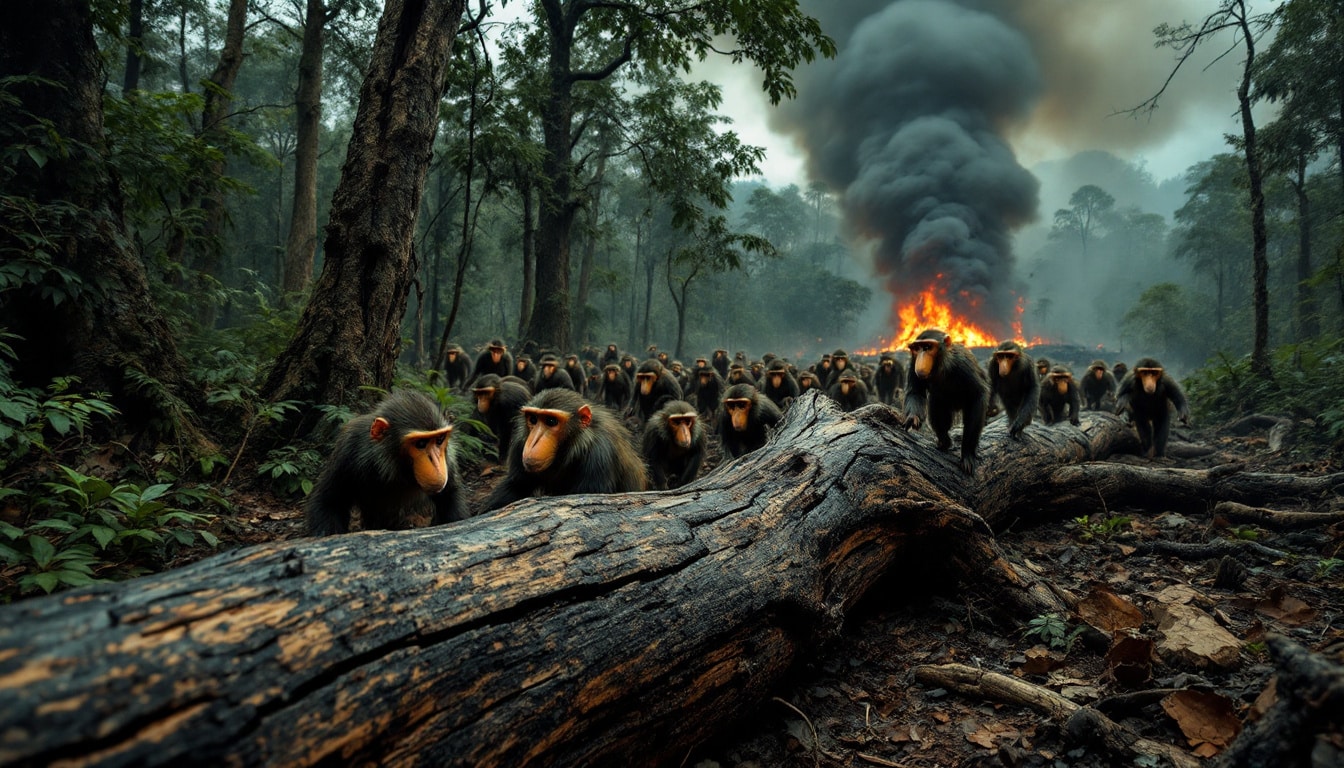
(816, 742)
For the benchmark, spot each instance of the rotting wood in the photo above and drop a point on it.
(1275, 518)
(1080, 721)
(575, 630)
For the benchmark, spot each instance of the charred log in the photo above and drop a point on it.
(578, 630)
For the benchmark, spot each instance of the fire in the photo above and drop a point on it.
(932, 309)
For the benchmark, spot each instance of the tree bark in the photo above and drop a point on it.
(301, 246)
(350, 332)
(589, 246)
(1255, 178)
(135, 46)
(107, 330)
(577, 630)
(529, 258)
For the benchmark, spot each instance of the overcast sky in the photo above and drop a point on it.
(1095, 57)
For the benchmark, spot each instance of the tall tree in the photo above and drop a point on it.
(1089, 205)
(710, 248)
(350, 333)
(75, 291)
(657, 34)
(1247, 28)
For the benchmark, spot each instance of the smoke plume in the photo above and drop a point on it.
(907, 124)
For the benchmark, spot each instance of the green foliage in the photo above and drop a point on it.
(1325, 567)
(85, 529)
(1052, 630)
(290, 469)
(467, 443)
(1307, 383)
(1101, 530)
(1165, 323)
(34, 420)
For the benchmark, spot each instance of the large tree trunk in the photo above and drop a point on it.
(1259, 232)
(589, 250)
(106, 329)
(529, 259)
(611, 630)
(302, 243)
(350, 332)
(1308, 323)
(135, 46)
(214, 123)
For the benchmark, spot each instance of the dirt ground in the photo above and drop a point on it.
(857, 704)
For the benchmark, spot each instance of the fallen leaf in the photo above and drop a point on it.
(942, 717)
(1285, 608)
(1108, 611)
(1130, 660)
(1179, 594)
(1267, 698)
(1039, 661)
(1187, 633)
(1206, 719)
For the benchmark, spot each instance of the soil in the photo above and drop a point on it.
(856, 704)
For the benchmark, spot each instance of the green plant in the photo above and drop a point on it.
(1052, 630)
(86, 525)
(1244, 533)
(1102, 530)
(291, 469)
(1327, 566)
(31, 420)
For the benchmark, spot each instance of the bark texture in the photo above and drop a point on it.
(350, 332)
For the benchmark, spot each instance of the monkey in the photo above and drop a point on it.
(739, 374)
(616, 388)
(744, 416)
(456, 367)
(889, 379)
(822, 368)
(679, 373)
(945, 378)
(566, 446)
(866, 376)
(778, 384)
(721, 362)
(1042, 369)
(768, 358)
(1098, 385)
(663, 358)
(576, 374)
(1013, 382)
(674, 445)
(839, 364)
(1057, 390)
(612, 355)
(757, 369)
(497, 402)
(654, 386)
(525, 371)
(849, 391)
(495, 359)
(706, 390)
(700, 363)
(552, 376)
(807, 380)
(1145, 394)
(630, 365)
(396, 460)
(1119, 370)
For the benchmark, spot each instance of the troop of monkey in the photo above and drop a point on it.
(560, 427)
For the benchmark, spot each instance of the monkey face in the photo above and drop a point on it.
(548, 435)
(924, 353)
(496, 354)
(1062, 383)
(1098, 373)
(452, 357)
(424, 450)
(844, 386)
(1005, 361)
(776, 380)
(484, 397)
(681, 427)
(646, 382)
(1149, 377)
(548, 370)
(739, 411)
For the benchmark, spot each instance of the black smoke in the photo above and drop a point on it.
(907, 123)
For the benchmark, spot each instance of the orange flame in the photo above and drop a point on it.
(931, 309)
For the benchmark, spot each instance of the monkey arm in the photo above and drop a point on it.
(327, 511)
(916, 403)
(1075, 404)
(1177, 397)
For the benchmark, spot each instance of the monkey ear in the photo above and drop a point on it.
(947, 342)
(378, 429)
(585, 414)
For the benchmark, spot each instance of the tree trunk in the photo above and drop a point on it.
(611, 630)
(589, 249)
(1308, 324)
(107, 330)
(551, 322)
(214, 118)
(1259, 234)
(135, 47)
(301, 245)
(529, 258)
(350, 332)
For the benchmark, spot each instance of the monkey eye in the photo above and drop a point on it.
(532, 419)
(422, 443)
(441, 439)
(552, 422)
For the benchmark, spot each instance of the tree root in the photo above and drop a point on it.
(1275, 518)
(1082, 723)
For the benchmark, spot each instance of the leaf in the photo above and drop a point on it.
(47, 581)
(42, 550)
(36, 154)
(1109, 612)
(210, 538)
(103, 535)
(1204, 718)
(59, 422)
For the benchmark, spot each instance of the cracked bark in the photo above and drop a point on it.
(577, 630)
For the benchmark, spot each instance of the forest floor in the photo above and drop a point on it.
(857, 704)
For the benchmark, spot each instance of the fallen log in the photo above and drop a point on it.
(578, 630)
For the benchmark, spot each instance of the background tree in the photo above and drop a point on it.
(655, 34)
(74, 290)
(350, 332)
(1089, 207)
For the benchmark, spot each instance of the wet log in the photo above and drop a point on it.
(617, 629)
